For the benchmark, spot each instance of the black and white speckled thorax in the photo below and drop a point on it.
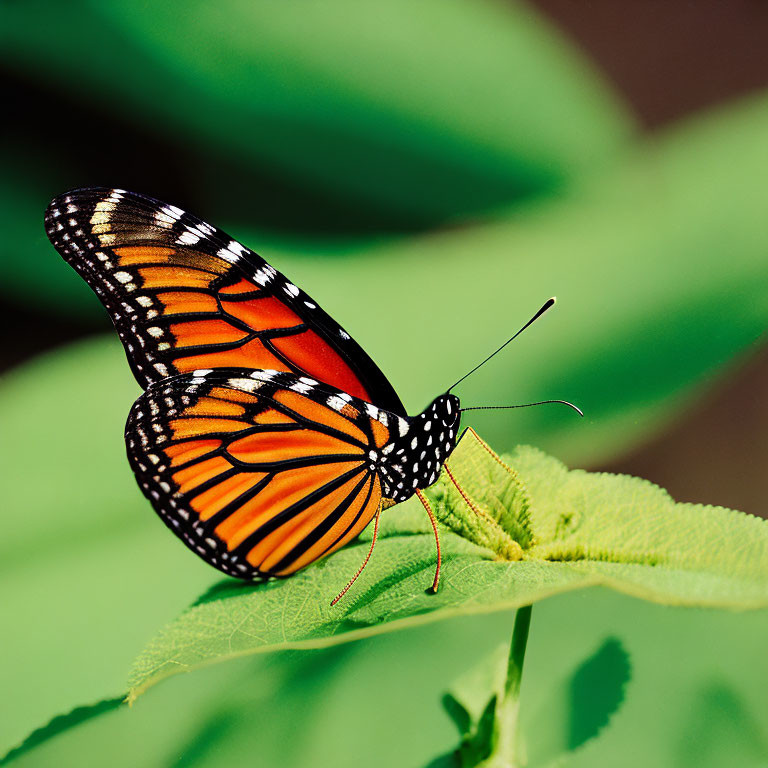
(414, 458)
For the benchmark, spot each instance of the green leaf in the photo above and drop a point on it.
(577, 710)
(597, 691)
(501, 521)
(468, 695)
(328, 130)
(472, 704)
(585, 529)
(60, 724)
(721, 729)
(432, 110)
(580, 706)
(280, 709)
(270, 710)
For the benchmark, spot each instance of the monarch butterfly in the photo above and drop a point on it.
(266, 438)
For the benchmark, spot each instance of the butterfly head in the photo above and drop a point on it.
(444, 412)
(436, 430)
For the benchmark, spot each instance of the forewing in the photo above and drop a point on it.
(184, 295)
(260, 473)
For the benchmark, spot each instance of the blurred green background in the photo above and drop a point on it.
(429, 172)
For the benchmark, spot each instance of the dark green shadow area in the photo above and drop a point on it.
(597, 691)
(61, 723)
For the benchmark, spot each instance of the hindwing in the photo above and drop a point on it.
(259, 472)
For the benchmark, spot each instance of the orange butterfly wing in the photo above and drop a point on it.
(260, 473)
(185, 296)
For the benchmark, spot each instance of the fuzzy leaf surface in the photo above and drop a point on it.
(573, 529)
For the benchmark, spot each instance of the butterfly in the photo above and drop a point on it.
(266, 437)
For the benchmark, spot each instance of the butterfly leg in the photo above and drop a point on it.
(365, 562)
(479, 512)
(423, 500)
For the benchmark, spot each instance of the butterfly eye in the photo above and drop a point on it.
(450, 414)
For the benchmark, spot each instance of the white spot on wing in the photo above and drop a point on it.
(188, 238)
(265, 375)
(167, 215)
(246, 385)
(227, 255)
(235, 248)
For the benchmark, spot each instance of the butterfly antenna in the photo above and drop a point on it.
(549, 303)
(523, 405)
(365, 562)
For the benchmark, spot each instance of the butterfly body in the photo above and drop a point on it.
(266, 437)
(413, 459)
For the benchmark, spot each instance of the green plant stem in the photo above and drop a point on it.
(509, 751)
(517, 651)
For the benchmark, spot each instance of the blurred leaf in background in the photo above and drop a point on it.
(578, 709)
(633, 241)
(660, 272)
(377, 702)
(323, 117)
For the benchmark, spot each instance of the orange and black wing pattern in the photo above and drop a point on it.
(185, 296)
(260, 472)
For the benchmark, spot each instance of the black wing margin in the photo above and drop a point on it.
(183, 295)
